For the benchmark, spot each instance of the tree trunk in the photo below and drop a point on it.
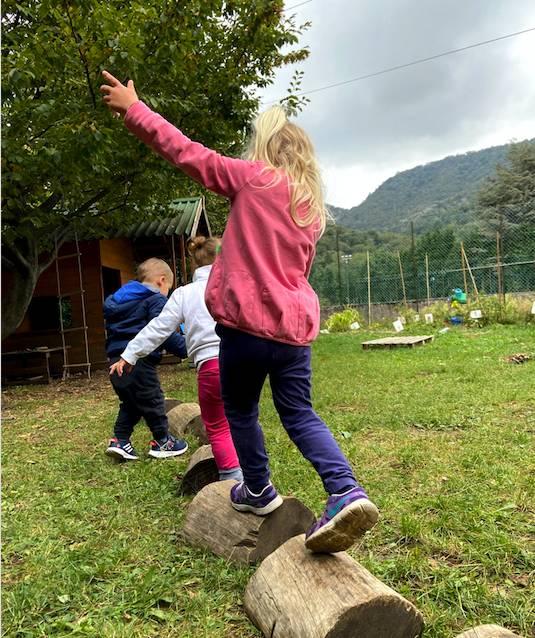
(21, 260)
(202, 470)
(186, 419)
(488, 631)
(297, 594)
(241, 537)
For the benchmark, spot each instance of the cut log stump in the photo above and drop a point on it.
(171, 403)
(488, 631)
(186, 419)
(297, 594)
(242, 537)
(202, 470)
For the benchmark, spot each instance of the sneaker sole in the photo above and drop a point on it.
(259, 511)
(343, 530)
(167, 454)
(117, 453)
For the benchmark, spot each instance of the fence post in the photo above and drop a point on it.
(369, 288)
(470, 271)
(427, 279)
(402, 280)
(463, 266)
(337, 233)
(414, 269)
(499, 271)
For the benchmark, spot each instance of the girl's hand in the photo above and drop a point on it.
(121, 366)
(118, 97)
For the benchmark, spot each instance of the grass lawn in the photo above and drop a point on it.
(440, 436)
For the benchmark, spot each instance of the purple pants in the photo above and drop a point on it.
(245, 361)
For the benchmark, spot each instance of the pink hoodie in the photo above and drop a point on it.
(258, 283)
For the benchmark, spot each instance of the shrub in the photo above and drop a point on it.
(341, 321)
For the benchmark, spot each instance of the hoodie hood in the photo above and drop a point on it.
(125, 298)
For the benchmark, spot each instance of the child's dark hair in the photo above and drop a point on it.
(203, 250)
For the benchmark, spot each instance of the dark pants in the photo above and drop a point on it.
(141, 396)
(245, 362)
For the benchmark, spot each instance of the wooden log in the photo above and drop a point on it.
(297, 594)
(186, 419)
(242, 537)
(171, 403)
(488, 631)
(201, 471)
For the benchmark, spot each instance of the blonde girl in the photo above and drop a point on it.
(266, 312)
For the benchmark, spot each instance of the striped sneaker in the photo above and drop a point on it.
(346, 517)
(121, 450)
(167, 448)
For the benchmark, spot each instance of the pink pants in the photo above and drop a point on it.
(213, 416)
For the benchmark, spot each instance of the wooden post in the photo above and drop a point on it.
(369, 288)
(201, 471)
(402, 280)
(242, 537)
(298, 594)
(183, 260)
(470, 272)
(499, 272)
(488, 631)
(173, 259)
(463, 267)
(415, 269)
(337, 231)
(186, 419)
(428, 289)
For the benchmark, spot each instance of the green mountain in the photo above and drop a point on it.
(432, 196)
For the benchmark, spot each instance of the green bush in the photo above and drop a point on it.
(341, 321)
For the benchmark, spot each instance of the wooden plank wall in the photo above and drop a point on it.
(24, 337)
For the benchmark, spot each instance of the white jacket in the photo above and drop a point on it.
(186, 305)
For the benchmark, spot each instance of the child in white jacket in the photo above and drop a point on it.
(187, 305)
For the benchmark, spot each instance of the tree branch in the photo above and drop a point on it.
(82, 56)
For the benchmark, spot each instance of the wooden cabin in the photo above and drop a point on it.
(63, 330)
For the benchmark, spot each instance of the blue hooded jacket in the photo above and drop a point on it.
(128, 311)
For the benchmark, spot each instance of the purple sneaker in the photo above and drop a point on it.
(243, 500)
(346, 517)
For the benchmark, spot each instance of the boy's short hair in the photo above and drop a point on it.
(152, 268)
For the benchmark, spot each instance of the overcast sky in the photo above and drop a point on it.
(367, 131)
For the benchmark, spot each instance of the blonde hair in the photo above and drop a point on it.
(285, 147)
(152, 268)
(203, 250)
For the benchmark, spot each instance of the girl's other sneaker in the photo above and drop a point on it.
(346, 517)
(243, 500)
(167, 447)
(121, 450)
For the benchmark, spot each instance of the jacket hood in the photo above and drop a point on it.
(133, 291)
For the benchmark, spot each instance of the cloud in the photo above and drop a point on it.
(376, 127)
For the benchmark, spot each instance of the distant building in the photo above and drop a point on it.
(63, 331)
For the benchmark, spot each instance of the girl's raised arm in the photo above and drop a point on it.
(223, 175)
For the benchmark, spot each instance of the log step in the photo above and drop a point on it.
(171, 403)
(488, 631)
(212, 523)
(185, 419)
(201, 471)
(297, 594)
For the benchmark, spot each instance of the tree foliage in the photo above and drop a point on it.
(67, 164)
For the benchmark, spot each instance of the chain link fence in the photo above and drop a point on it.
(495, 258)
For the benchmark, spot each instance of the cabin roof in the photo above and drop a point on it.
(185, 213)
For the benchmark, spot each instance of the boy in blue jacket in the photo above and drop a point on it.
(127, 311)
